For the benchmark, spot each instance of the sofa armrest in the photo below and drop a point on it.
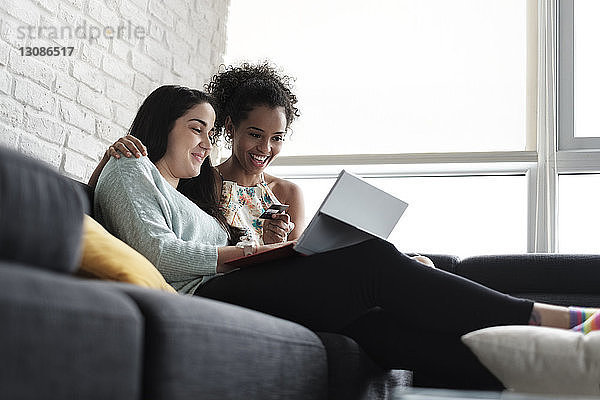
(41, 214)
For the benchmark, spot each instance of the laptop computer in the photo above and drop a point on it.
(353, 211)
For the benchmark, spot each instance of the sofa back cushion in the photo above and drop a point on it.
(41, 214)
(534, 273)
(88, 191)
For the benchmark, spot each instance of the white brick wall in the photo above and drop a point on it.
(66, 110)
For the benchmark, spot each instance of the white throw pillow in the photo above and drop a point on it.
(537, 359)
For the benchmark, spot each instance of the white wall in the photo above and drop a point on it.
(66, 110)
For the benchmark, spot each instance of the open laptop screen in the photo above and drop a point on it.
(353, 211)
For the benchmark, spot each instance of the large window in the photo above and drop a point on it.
(455, 106)
(394, 76)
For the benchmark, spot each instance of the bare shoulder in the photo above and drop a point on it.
(284, 190)
(290, 193)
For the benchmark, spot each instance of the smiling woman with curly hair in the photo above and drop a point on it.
(255, 108)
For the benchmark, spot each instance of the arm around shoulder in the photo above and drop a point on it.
(96, 174)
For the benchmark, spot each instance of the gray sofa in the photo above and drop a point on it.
(65, 337)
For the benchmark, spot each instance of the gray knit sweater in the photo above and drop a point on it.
(135, 203)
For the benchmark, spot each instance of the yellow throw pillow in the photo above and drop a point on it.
(106, 257)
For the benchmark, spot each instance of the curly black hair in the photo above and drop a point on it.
(239, 89)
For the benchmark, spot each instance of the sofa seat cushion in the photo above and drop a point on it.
(41, 214)
(64, 338)
(200, 348)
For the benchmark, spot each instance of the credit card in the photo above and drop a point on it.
(273, 210)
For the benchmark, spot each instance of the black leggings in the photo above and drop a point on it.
(404, 314)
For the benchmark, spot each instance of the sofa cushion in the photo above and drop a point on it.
(534, 273)
(65, 338)
(41, 214)
(106, 257)
(88, 191)
(199, 348)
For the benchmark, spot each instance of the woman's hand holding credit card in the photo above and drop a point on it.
(277, 225)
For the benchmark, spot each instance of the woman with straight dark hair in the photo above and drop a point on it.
(158, 114)
(422, 312)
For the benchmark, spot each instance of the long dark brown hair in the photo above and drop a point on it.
(153, 123)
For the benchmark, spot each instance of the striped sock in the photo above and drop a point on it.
(590, 324)
(578, 315)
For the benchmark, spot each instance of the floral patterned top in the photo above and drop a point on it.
(242, 205)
